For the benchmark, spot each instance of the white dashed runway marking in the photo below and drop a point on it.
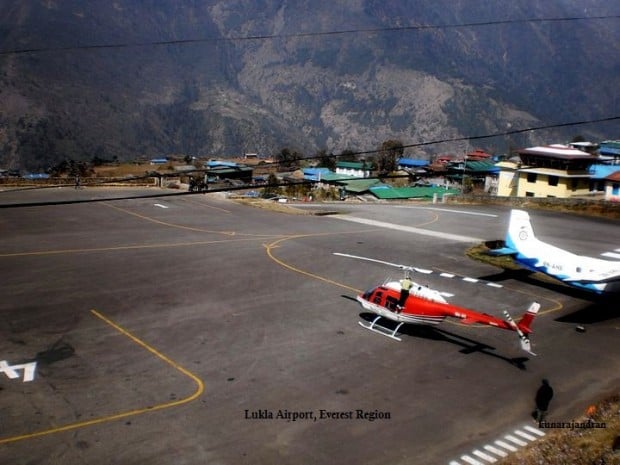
(502, 447)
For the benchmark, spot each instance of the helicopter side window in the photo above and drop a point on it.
(367, 294)
(377, 298)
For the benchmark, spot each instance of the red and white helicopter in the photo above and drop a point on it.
(425, 306)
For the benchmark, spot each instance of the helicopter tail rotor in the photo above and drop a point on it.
(523, 327)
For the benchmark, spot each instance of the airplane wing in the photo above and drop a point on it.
(503, 251)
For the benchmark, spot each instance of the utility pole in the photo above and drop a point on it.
(463, 175)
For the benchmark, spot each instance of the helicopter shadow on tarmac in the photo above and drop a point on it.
(433, 333)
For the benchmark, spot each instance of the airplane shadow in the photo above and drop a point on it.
(596, 312)
(468, 346)
(540, 280)
(600, 308)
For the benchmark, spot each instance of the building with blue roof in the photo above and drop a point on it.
(598, 173)
(221, 163)
(315, 174)
(412, 164)
(609, 151)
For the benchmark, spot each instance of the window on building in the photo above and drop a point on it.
(531, 177)
(529, 194)
(553, 180)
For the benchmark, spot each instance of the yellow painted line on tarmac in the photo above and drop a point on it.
(273, 245)
(276, 244)
(164, 223)
(126, 247)
(187, 228)
(130, 413)
(205, 205)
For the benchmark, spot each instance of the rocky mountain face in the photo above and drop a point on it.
(126, 78)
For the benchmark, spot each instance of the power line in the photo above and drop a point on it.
(145, 196)
(420, 27)
(486, 136)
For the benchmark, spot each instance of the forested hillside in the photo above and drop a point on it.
(85, 79)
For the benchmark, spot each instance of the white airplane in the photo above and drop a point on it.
(593, 274)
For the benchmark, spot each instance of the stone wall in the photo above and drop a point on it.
(583, 205)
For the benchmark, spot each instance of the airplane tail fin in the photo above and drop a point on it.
(523, 327)
(520, 229)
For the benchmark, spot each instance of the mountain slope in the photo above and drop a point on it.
(260, 78)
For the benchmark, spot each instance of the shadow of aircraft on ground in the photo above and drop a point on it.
(433, 333)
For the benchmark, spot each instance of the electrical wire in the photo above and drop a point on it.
(303, 35)
(284, 184)
(421, 27)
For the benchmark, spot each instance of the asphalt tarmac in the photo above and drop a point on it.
(194, 330)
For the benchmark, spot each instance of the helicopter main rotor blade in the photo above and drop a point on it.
(423, 270)
(395, 265)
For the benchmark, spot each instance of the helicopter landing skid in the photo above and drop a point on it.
(391, 333)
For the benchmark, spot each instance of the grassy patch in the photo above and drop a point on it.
(564, 445)
(480, 253)
(125, 169)
(577, 445)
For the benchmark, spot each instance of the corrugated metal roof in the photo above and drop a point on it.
(413, 162)
(218, 163)
(556, 151)
(609, 147)
(226, 170)
(316, 170)
(353, 164)
(383, 192)
(615, 176)
(315, 174)
(334, 177)
(481, 166)
(360, 185)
